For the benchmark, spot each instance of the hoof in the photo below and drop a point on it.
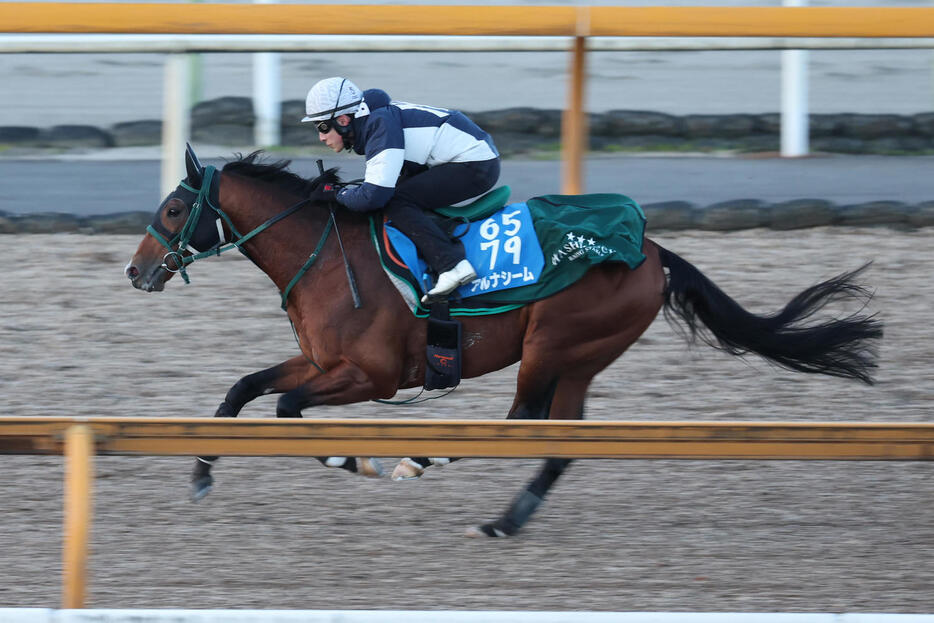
(200, 487)
(225, 410)
(407, 469)
(484, 531)
(370, 467)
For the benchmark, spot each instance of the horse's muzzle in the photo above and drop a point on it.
(154, 283)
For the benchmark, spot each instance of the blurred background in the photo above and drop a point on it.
(105, 89)
(723, 105)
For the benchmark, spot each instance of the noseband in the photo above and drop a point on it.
(180, 242)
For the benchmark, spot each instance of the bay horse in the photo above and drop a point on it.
(351, 354)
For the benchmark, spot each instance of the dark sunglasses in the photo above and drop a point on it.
(324, 126)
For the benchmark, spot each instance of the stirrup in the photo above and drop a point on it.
(430, 299)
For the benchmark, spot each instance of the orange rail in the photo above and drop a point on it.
(330, 19)
(477, 438)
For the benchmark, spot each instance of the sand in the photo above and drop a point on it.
(76, 340)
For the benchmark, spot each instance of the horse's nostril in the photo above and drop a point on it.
(132, 272)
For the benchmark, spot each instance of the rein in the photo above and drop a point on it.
(181, 241)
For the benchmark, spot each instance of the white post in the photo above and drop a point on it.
(266, 99)
(794, 99)
(267, 91)
(176, 121)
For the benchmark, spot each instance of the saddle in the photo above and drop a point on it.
(481, 208)
(523, 252)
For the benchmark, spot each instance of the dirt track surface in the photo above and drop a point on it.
(75, 339)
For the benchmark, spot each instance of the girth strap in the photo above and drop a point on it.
(443, 349)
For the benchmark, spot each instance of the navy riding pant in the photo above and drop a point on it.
(431, 189)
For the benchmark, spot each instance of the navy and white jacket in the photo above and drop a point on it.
(393, 135)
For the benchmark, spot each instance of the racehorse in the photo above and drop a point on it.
(363, 343)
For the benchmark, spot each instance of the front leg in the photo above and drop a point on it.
(277, 379)
(303, 387)
(346, 383)
(343, 384)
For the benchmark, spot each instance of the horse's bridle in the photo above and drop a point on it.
(184, 240)
(207, 195)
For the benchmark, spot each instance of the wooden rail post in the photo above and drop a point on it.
(79, 474)
(574, 122)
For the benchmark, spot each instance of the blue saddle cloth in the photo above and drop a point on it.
(522, 252)
(503, 249)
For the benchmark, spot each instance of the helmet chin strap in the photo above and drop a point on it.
(346, 134)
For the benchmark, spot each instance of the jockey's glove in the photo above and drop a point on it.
(325, 193)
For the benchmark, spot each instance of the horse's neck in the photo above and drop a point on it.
(278, 250)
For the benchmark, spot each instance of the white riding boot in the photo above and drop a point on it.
(463, 273)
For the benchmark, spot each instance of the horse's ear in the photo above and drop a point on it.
(331, 174)
(193, 166)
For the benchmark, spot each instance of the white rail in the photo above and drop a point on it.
(44, 615)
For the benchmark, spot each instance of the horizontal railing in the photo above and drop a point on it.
(863, 441)
(583, 21)
(80, 439)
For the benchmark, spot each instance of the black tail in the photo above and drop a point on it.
(842, 347)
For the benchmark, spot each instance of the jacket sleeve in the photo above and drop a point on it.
(385, 155)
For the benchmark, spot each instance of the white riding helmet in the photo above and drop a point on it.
(330, 98)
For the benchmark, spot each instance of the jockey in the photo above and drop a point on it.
(418, 158)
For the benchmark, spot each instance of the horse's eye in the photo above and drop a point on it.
(173, 212)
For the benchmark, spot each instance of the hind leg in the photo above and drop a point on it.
(532, 402)
(573, 342)
(565, 402)
(524, 504)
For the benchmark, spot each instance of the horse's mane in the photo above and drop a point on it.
(277, 173)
